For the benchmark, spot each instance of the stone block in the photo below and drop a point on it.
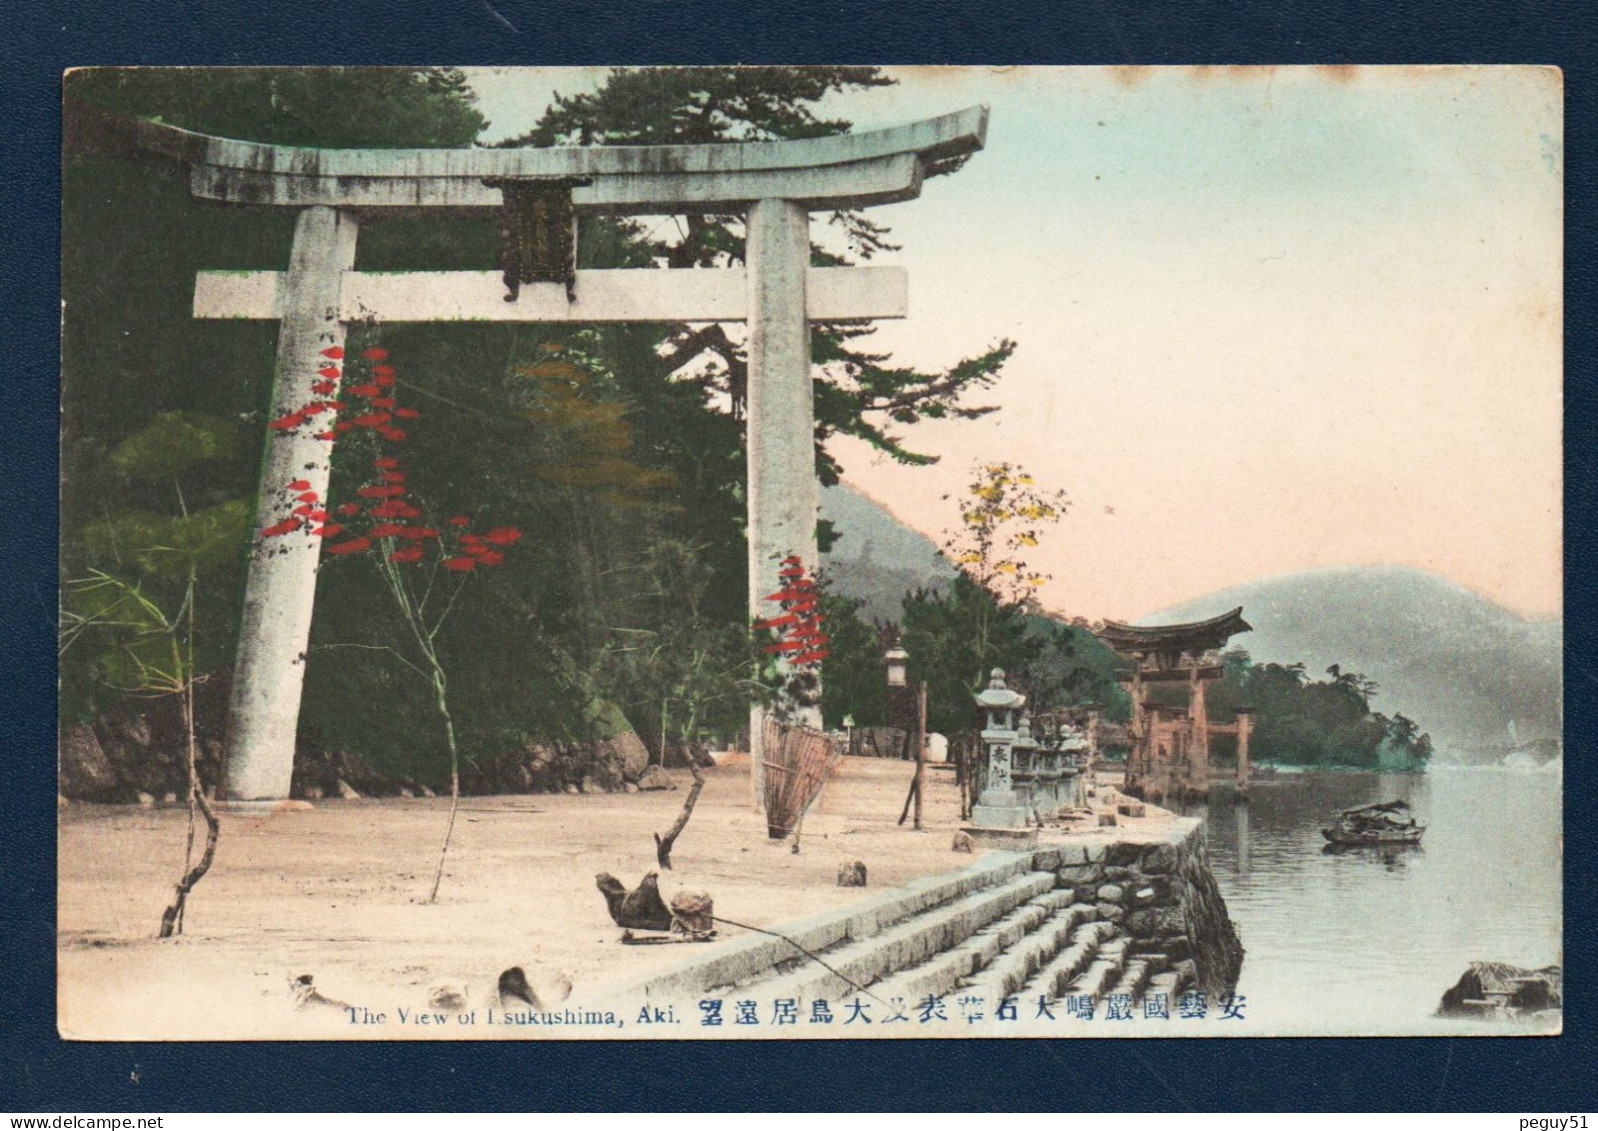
(1122, 853)
(1106, 820)
(963, 843)
(1080, 874)
(852, 874)
(655, 778)
(1112, 893)
(999, 816)
(1156, 922)
(86, 772)
(1176, 947)
(1110, 912)
(146, 800)
(1008, 839)
(1119, 872)
(630, 753)
(345, 790)
(1158, 858)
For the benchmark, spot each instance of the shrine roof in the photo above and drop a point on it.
(1196, 636)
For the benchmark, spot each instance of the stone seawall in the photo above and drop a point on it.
(1162, 897)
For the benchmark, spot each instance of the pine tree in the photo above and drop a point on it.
(858, 392)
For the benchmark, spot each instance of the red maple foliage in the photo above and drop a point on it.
(384, 501)
(800, 639)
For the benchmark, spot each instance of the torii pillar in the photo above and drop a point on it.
(775, 185)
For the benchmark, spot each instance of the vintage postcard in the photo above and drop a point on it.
(810, 552)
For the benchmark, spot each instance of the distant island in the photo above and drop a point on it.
(1326, 723)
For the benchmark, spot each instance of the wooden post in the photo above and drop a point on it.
(1245, 727)
(779, 444)
(280, 590)
(921, 750)
(1140, 761)
(1198, 760)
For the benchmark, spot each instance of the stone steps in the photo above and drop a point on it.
(1072, 960)
(1086, 920)
(1166, 982)
(1012, 969)
(1185, 979)
(1102, 974)
(1134, 978)
(907, 943)
(942, 973)
(755, 957)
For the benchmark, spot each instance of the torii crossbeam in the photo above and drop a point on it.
(775, 185)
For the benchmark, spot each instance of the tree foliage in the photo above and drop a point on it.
(858, 392)
(1002, 516)
(145, 387)
(853, 679)
(988, 617)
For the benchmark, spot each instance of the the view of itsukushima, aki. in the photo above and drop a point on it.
(465, 630)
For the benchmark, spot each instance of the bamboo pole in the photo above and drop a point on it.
(921, 750)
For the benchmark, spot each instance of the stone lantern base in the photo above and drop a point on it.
(1012, 840)
(1000, 811)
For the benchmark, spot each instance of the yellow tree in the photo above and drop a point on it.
(1003, 515)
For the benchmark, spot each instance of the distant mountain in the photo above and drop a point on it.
(876, 557)
(1461, 666)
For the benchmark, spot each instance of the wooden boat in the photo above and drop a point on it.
(1387, 823)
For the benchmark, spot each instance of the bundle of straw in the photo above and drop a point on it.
(797, 761)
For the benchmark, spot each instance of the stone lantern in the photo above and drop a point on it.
(1095, 724)
(1075, 755)
(1046, 798)
(1026, 760)
(999, 806)
(895, 658)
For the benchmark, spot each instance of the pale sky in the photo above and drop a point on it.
(1276, 318)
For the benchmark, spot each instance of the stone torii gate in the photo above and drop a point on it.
(774, 185)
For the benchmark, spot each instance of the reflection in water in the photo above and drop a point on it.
(1392, 855)
(1365, 939)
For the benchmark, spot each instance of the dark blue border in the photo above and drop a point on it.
(46, 1075)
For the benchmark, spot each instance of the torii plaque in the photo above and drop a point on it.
(775, 185)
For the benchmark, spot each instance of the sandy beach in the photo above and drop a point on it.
(338, 892)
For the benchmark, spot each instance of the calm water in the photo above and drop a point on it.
(1366, 940)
